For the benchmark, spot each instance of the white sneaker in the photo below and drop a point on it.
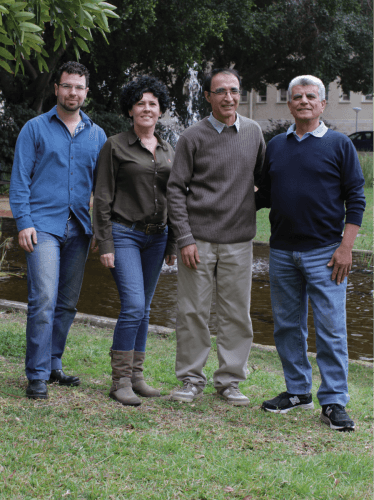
(187, 393)
(233, 396)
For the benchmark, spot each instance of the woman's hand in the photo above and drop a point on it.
(107, 259)
(170, 260)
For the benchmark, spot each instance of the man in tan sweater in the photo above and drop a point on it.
(212, 209)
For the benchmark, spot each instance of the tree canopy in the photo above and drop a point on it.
(32, 31)
(268, 42)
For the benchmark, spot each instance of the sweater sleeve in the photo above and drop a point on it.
(177, 190)
(259, 161)
(352, 185)
(262, 196)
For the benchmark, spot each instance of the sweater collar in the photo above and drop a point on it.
(219, 126)
(319, 132)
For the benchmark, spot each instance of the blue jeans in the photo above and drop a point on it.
(295, 276)
(54, 278)
(138, 261)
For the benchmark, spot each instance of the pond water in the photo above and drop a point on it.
(99, 296)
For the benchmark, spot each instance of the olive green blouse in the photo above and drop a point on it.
(131, 183)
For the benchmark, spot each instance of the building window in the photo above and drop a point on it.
(261, 95)
(281, 95)
(367, 98)
(244, 96)
(345, 97)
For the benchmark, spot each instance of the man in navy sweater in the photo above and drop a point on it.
(313, 182)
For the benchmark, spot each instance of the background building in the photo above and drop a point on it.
(271, 104)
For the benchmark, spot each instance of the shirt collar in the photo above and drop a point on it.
(133, 138)
(84, 117)
(219, 126)
(319, 132)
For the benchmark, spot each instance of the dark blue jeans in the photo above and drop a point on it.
(138, 262)
(54, 278)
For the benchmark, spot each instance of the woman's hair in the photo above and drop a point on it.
(133, 93)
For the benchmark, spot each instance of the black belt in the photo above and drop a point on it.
(140, 226)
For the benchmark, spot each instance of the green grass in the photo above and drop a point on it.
(366, 161)
(364, 240)
(79, 444)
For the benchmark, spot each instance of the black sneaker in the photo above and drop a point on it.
(337, 418)
(285, 402)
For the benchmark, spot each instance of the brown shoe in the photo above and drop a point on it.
(137, 378)
(121, 389)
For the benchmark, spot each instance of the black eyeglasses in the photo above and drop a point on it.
(220, 91)
(66, 86)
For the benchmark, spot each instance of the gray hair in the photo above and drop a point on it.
(307, 80)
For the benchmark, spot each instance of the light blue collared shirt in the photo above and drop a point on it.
(219, 126)
(320, 131)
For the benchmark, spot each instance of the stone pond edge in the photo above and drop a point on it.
(104, 322)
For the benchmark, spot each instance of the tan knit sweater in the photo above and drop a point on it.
(210, 191)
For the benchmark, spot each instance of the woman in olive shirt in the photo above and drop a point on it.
(130, 224)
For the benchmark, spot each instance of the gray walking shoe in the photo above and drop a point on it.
(233, 396)
(188, 393)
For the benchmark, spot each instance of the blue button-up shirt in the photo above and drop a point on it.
(54, 173)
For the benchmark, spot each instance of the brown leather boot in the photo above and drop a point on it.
(138, 384)
(121, 389)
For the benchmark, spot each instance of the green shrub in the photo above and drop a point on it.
(11, 122)
(111, 123)
(276, 127)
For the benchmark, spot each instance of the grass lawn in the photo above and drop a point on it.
(79, 444)
(364, 240)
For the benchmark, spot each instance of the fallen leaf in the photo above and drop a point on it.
(228, 489)
(199, 456)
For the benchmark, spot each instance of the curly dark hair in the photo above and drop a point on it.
(73, 68)
(133, 92)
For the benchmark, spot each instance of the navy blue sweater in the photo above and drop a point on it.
(313, 187)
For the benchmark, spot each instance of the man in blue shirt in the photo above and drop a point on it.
(313, 182)
(52, 180)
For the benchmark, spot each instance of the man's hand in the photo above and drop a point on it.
(26, 238)
(342, 257)
(107, 259)
(94, 246)
(170, 260)
(342, 262)
(190, 256)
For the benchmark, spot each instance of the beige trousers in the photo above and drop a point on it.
(231, 264)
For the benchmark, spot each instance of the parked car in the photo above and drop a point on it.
(363, 141)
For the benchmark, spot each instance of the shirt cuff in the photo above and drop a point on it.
(24, 223)
(106, 246)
